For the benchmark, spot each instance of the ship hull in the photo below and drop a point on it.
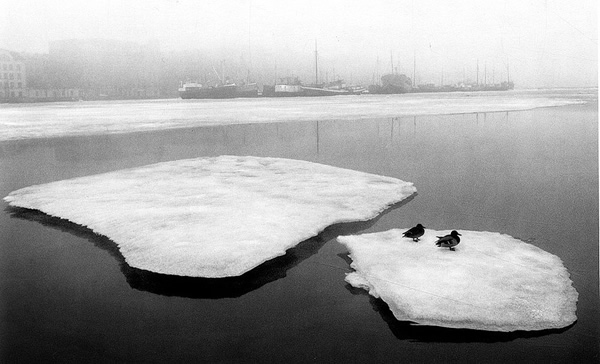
(220, 92)
(316, 91)
(300, 91)
(225, 92)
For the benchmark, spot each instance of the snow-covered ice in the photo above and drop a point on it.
(214, 217)
(24, 121)
(491, 282)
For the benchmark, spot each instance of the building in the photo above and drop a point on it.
(108, 69)
(13, 84)
(53, 94)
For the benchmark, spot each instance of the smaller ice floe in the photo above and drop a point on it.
(214, 217)
(490, 281)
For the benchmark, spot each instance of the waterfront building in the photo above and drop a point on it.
(53, 94)
(13, 76)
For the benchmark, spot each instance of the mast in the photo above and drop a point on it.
(316, 64)
(477, 71)
(377, 71)
(485, 74)
(223, 72)
(392, 61)
(414, 68)
(249, 36)
(442, 80)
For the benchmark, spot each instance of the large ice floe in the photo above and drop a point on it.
(214, 217)
(491, 281)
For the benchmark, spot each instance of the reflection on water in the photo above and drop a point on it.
(317, 141)
(197, 287)
(290, 138)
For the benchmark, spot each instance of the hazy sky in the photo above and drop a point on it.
(545, 43)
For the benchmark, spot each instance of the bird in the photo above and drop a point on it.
(448, 241)
(415, 232)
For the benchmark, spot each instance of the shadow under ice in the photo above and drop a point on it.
(199, 287)
(407, 330)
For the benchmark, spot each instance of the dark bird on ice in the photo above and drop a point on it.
(415, 232)
(448, 241)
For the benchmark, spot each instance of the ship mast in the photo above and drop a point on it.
(316, 65)
(377, 71)
(442, 80)
(414, 68)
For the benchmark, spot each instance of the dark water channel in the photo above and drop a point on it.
(66, 294)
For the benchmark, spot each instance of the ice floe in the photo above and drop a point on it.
(214, 217)
(491, 281)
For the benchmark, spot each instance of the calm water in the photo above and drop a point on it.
(66, 295)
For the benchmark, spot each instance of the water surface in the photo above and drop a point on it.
(67, 295)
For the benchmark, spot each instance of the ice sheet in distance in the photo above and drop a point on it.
(213, 217)
(491, 281)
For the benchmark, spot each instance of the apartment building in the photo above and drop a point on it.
(13, 84)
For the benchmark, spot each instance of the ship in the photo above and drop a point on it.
(292, 87)
(223, 89)
(503, 86)
(339, 87)
(247, 90)
(195, 90)
(284, 87)
(392, 84)
(477, 86)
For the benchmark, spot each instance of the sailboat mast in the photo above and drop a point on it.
(316, 65)
(392, 61)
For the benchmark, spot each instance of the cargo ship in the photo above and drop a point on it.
(224, 88)
(194, 90)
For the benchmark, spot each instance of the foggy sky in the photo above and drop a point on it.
(544, 43)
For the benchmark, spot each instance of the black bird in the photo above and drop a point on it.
(415, 232)
(448, 241)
